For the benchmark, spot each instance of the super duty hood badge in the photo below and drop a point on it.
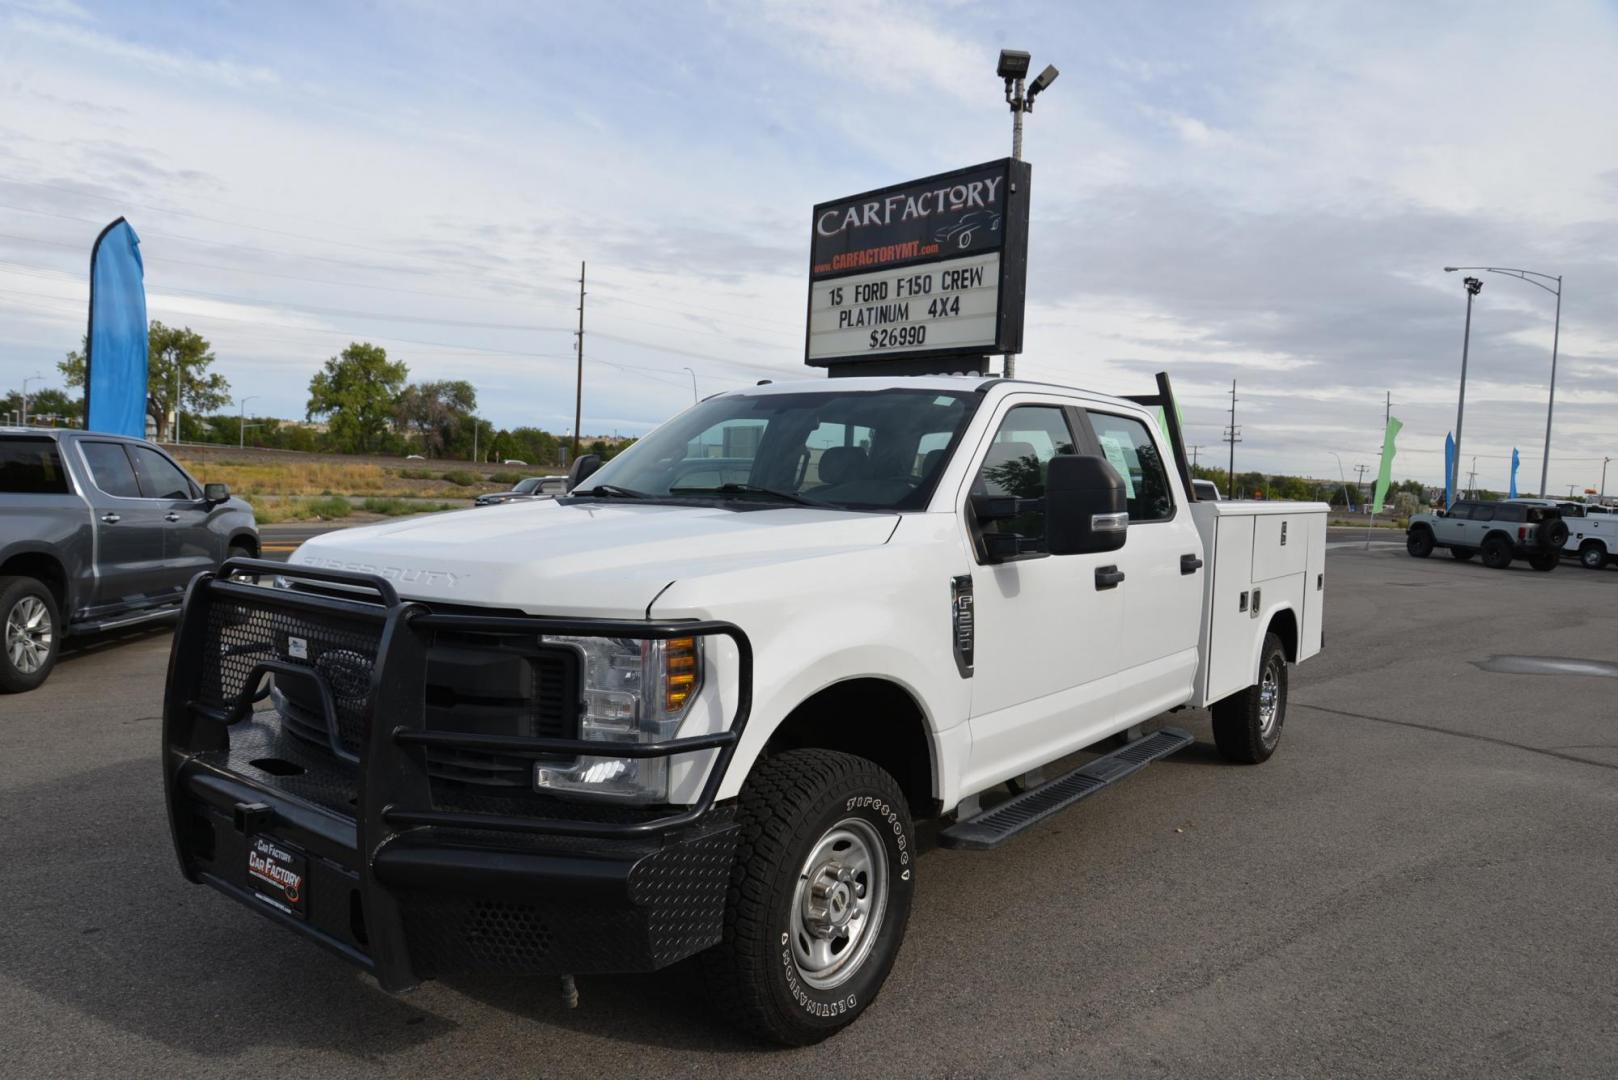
(406, 575)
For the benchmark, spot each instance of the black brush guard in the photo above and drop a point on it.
(392, 879)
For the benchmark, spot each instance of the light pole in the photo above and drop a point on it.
(1342, 476)
(1013, 68)
(31, 378)
(693, 385)
(1473, 287)
(1556, 340)
(241, 440)
(1604, 476)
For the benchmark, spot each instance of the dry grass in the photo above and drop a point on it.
(350, 480)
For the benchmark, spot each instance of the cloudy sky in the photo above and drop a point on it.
(1266, 192)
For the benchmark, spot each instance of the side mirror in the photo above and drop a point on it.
(581, 469)
(1086, 509)
(215, 493)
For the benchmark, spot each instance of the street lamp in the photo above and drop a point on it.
(1556, 338)
(242, 439)
(31, 378)
(693, 385)
(1473, 287)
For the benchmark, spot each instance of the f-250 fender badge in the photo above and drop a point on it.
(964, 623)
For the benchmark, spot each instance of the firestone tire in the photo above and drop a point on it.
(1419, 542)
(1462, 554)
(819, 896)
(1545, 561)
(30, 634)
(1592, 556)
(1247, 726)
(1497, 553)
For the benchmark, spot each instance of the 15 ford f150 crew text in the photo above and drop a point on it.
(698, 703)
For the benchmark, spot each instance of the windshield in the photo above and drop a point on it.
(846, 449)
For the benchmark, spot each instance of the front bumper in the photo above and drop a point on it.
(385, 874)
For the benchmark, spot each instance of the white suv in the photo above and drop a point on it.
(1501, 531)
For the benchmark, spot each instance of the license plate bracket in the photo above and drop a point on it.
(278, 874)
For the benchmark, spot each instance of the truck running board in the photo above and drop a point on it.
(1000, 823)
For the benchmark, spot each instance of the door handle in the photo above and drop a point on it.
(172, 515)
(1108, 577)
(1190, 564)
(111, 519)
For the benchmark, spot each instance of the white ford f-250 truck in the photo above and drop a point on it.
(697, 704)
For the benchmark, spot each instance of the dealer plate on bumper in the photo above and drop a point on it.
(278, 874)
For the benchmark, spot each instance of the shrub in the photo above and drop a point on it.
(461, 477)
(334, 506)
(509, 479)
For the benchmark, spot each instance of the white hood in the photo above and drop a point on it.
(586, 558)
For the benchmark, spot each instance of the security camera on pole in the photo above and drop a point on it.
(1013, 68)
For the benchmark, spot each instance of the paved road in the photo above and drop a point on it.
(1420, 883)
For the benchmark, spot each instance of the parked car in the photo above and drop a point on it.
(1206, 490)
(1592, 530)
(513, 461)
(529, 488)
(669, 714)
(1501, 531)
(99, 532)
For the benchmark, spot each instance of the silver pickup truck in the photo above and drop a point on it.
(99, 532)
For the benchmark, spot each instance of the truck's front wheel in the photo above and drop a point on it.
(30, 633)
(1247, 726)
(819, 896)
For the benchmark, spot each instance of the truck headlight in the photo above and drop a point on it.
(634, 691)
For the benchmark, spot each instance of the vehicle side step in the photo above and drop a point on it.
(1000, 823)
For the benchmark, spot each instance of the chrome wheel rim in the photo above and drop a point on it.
(28, 635)
(838, 904)
(1269, 702)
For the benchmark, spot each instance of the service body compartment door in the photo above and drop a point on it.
(1227, 652)
(1312, 636)
(1280, 545)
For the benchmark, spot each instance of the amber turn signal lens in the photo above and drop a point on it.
(679, 673)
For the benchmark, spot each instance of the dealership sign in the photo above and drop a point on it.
(932, 269)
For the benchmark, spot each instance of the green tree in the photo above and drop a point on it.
(357, 391)
(46, 408)
(177, 363)
(436, 413)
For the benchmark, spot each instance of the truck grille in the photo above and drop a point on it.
(341, 649)
(482, 684)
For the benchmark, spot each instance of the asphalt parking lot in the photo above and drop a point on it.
(1420, 883)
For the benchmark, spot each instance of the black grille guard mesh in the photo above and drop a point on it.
(230, 636)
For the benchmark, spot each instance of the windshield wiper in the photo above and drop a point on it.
(744, 489)
(612, 491)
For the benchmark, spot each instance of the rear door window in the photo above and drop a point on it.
(159, 477)
(111, 470)
(1129, 447)
(31, 467)
(1482, 511)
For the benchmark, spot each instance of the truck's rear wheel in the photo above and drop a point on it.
(30, 633)
(1247, 726)
(1497, 553)
(819, 896)
(1592, 556)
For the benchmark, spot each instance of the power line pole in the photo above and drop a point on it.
(1233, 435)
(1472, 480)
(1194, 450)
(578, 393)
(1359, 481)
(1604, 476)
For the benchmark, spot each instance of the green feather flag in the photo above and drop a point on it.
(1385, 475)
